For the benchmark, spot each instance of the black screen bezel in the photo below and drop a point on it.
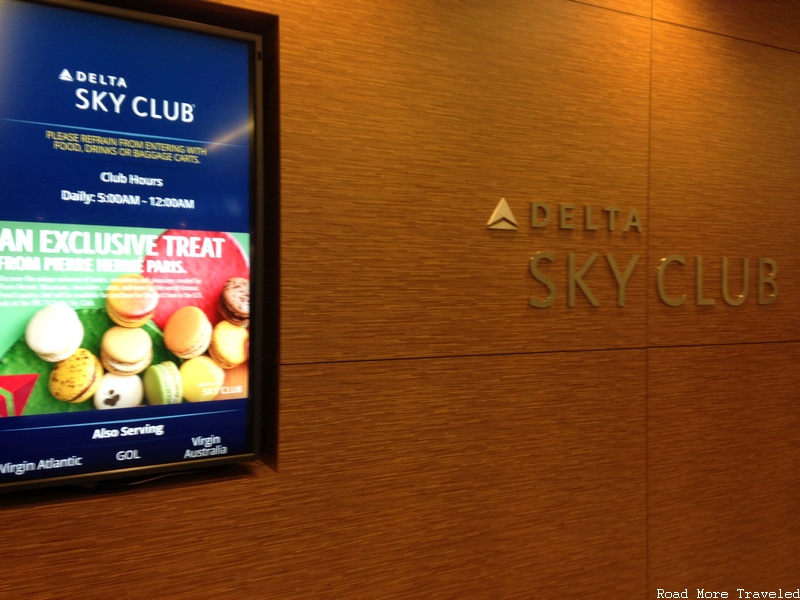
(260, 32)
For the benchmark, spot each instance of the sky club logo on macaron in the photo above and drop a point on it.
(131, 300)
(202, 378)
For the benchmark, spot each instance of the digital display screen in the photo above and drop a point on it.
(128, 190)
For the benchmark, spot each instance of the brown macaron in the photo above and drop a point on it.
(234, 301)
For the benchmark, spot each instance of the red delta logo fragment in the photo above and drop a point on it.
(15, 391)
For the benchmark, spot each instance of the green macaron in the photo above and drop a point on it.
(162, 384)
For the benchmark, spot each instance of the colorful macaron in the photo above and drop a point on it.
(119, 391)
(162, 384)
(234, 301)
(55, 332)
(187, 332)
(126, 351)
(77, 378)
(229, 344)
(131, 300)
(202, 379)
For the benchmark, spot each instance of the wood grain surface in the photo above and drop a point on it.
(722, 467)
(643, 8)
(439, 437)
(400, 136)
(774, 23)
(725, 173)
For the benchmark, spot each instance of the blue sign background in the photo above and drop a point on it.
(199, 76)
(206, 79)
(34, 439)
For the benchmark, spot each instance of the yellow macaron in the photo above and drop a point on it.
(229, 344)
(77, 378)
(201, 378)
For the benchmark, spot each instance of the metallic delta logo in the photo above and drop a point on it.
(502, 217)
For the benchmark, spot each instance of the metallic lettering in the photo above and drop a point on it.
(539, 276)
(660, 274)
(576, 278)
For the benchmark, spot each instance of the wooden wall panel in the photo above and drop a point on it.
(490, 477)
(399, 138)
(725, 174)
(548, 453)
(723, 467)
(774, 23)
(643, 8)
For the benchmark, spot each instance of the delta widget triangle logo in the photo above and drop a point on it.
(502, 217)
(65, 76)
(14, 393)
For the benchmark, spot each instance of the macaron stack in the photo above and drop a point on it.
(126, 349)
(124, 353)
(208, 351)
(187, 333)
(230, 340)
(211, 364)
(55, 334)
